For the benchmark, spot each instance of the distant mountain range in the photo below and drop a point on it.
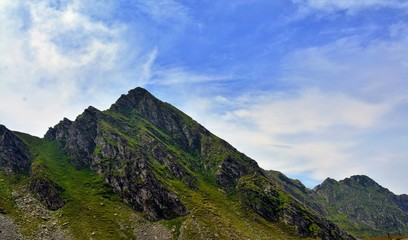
(357, 204)
(144, 170)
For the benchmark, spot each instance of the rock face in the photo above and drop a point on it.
(369, 208)
(141, 144)
(110, 145)
(48, 192)
(14, 156)
(77, 138)
(8, 230)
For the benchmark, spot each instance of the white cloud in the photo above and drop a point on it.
(312, 111)
(348, 5)
(51, 61)
(314, 135)
(147, 66)
(375, 70)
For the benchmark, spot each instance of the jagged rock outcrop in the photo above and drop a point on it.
(110, 146)
(78, 137)
(14, 155)
(48, 192)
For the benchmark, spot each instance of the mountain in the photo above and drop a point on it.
(362, 206)
(142, 170)
(357, 204)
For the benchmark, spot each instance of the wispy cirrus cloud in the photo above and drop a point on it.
(348, 5)
(53, 60)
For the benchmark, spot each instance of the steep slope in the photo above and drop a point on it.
(14, 156)
(161, 162)
(92, 210)
(363, 207)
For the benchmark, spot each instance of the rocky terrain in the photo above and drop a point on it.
(14, 156)
(144, 170)
(362, 206)
(358, 204)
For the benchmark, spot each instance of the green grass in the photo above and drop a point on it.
(217, 215)
(6, 201)
(16, 183)
(91, 206)
(92, 210)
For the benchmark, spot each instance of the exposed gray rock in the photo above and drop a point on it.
(48, 192)
(8, 230)
(127, 169)
(14, 156)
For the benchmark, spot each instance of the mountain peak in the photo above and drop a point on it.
(361, 180)
(138, 90)
(127, 102)
(327, 182)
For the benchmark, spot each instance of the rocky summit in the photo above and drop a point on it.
(144, 170)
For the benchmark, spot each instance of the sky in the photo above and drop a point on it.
(312, 88)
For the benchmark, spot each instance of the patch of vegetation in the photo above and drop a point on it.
(217, 215)
(92, 209)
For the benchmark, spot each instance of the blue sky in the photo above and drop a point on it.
(312, 88)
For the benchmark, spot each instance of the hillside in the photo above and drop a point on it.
(357, 204)
(143, 169)
(362, 206)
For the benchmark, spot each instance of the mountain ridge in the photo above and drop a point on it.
(358, 204)
(170, 168)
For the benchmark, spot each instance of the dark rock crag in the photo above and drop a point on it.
(14, 155)
(48, 192)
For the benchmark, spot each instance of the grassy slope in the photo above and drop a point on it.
(216, 215)
(372, 200)
(213, 214)
(91, 207)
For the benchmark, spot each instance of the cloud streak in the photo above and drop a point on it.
(350, 6)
